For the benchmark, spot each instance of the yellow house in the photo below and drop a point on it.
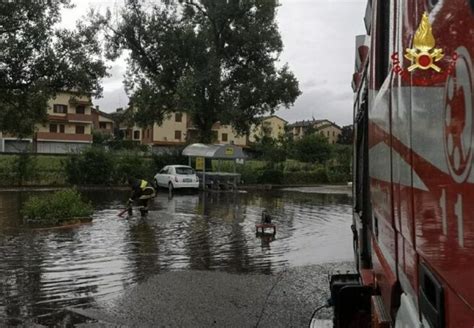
(326, 128)
(177, 129)
(329, 130)
(69, 124)
(272, 126)
(227, 135)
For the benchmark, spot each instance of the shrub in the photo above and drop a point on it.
(338, 173)
(312, 148)
(270, 176)
(25, 168)
(306, 177)
(173, 157)
(53, 209)
(132, 164)
(117, 144)
(93, 166)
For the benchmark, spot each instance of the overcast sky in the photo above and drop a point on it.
(318, 38)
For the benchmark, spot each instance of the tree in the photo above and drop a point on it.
(213, 59)
(345, 138)
(37, 60)
(269, 150)
(312, 148)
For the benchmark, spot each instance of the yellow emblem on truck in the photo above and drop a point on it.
(424, 54)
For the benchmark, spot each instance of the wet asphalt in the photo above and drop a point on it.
(219, 299)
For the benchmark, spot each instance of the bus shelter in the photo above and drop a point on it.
(210, 179)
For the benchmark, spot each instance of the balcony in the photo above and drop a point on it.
(83, 118)
(51, 136)
(104, 131)
(57, 118)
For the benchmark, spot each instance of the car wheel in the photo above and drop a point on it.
(156, 184)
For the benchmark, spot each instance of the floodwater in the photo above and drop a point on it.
(43, 272)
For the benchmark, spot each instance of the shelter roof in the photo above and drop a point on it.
(214, 151)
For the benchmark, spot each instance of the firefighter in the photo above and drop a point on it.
(266, 218)
(142, 191)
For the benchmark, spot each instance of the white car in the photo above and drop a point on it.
(177, 176)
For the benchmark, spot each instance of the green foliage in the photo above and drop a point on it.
(25, 168)
(346, 136)
(131, 145)
(131, 164)
(52, 209)
(270, 176)
(306, 177)
(270, 150)
(173, 157)
(215, 59)
(312, 148)
(93, 166)
(37, 59)
(100, 138)
(339, 169)
(338, 173)
(342, 154)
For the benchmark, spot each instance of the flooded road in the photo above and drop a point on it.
(45, 271)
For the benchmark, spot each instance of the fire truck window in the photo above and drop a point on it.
(471, 2)
(383, 40)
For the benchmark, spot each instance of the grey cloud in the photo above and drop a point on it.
(111, 100)
(320, 103)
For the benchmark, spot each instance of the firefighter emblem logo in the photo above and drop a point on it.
(424, 55)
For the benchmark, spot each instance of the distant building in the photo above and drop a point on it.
(271, 126)
(326, 128)
(177, 129)
(102, 122)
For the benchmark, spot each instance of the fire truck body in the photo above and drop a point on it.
(413, 154)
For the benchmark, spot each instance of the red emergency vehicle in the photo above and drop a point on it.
(413, 168)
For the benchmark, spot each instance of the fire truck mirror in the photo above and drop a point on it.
(431, 297)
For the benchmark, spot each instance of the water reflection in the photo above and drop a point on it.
(44, 271)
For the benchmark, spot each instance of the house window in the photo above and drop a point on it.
(224, 137)
(333, 133)
(327, 132)
(136, 135)
(57, 108)
(80, 129)
(177, 135)
(178, 117)
(61, 128)
(80, 110)
(53, 128)
(102, 125)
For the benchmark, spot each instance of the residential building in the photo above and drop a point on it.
(12, 144)
(172, 132)
(326, 128)
(272, 126)
(177, 129)
(69, 125)
(102, 122)
(123, 122)
(225, 134)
